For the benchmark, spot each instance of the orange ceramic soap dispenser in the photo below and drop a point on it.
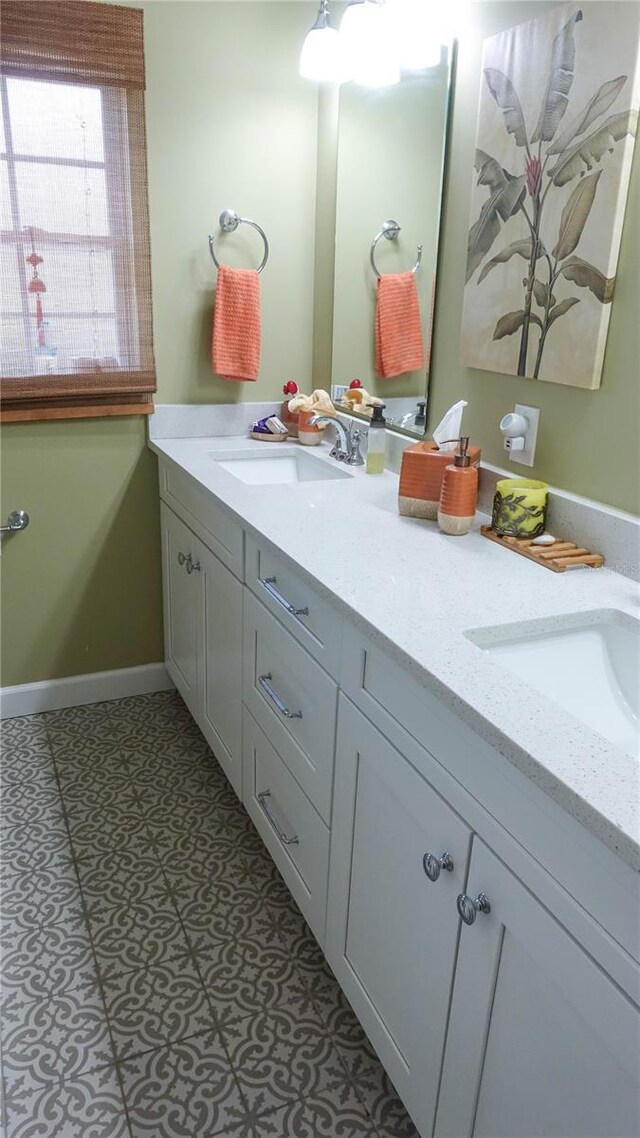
(459, 493)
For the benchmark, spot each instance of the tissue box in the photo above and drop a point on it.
(421, 477)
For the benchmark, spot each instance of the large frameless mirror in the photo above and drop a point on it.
(391, 163)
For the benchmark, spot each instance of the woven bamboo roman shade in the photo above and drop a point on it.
(76, 329)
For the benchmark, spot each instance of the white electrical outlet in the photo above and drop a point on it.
(527, 455)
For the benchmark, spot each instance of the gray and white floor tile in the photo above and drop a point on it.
(158, 979)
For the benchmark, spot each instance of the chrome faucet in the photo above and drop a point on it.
(347, 445)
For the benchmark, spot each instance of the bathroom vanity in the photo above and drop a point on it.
(465, 851)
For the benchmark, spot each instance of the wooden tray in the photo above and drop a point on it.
(558, 557)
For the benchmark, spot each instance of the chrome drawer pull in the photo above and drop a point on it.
(432, 865)
(269, 583)
(266, 687)
(469, 907)
(264, 794)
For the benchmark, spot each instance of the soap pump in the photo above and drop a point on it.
(459, 493)
(376, 440)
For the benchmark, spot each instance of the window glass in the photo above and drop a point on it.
(56, 120)
(62, 199)
(78, 345)
(16, 357)
(77, 278)
(5, 204)
(74, 163)
(11, 270)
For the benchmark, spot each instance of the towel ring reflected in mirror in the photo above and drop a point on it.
(229, 222)
(390, 230)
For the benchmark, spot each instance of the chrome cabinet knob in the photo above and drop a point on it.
(468, 907)
(432, 865)
(187, 560)
(17, 520)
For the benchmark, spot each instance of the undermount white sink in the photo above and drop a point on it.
(589, 663)
(284, 465)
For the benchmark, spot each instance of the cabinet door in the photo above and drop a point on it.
(391, 931)
(181, 597)
(541, 1043)
(220, 655)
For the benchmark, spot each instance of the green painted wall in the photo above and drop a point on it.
(81, 589)
(231, 124)
(588, 440)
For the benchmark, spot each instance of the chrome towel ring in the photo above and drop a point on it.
(390, 230)
(229, 221)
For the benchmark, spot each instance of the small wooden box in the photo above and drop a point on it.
(421, 477)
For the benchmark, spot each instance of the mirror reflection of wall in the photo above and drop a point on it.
(390, 166)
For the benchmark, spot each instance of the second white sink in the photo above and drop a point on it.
(288, 465)
(589, 663)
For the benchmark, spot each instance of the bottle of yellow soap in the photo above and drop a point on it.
(376, 440)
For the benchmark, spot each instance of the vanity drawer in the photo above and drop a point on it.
(387, 694)
(196, 506)
(308, 616)
(291, 829)
(293, 700)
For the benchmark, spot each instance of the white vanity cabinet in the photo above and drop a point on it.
(541, 1040)
(203, 639)
(399, 858)
(488, 942)
(528, 1018)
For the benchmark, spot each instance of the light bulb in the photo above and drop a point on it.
(368, 56)
(320, 55)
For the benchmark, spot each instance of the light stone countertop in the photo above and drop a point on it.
(416, 592)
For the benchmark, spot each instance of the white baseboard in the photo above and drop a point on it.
(72, 691)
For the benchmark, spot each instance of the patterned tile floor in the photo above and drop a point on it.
(158, 980)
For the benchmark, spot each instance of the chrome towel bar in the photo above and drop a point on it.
(229, 221)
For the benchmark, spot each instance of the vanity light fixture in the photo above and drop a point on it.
(366, 42)
(321, 54)
(418, 33)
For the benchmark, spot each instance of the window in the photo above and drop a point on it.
(75, 322)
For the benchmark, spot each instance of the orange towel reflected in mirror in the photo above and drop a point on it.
(398, 333)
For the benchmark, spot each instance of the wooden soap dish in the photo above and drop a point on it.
(558, 557)
(264, 438)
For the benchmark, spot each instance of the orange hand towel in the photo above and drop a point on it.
(399, 346)
(235, 345)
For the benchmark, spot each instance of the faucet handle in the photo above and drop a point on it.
(355, 454)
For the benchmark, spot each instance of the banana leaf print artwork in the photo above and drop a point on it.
(557, 122)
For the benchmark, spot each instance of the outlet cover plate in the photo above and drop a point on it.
(526, 457)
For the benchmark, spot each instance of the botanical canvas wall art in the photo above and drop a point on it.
(557, 120)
